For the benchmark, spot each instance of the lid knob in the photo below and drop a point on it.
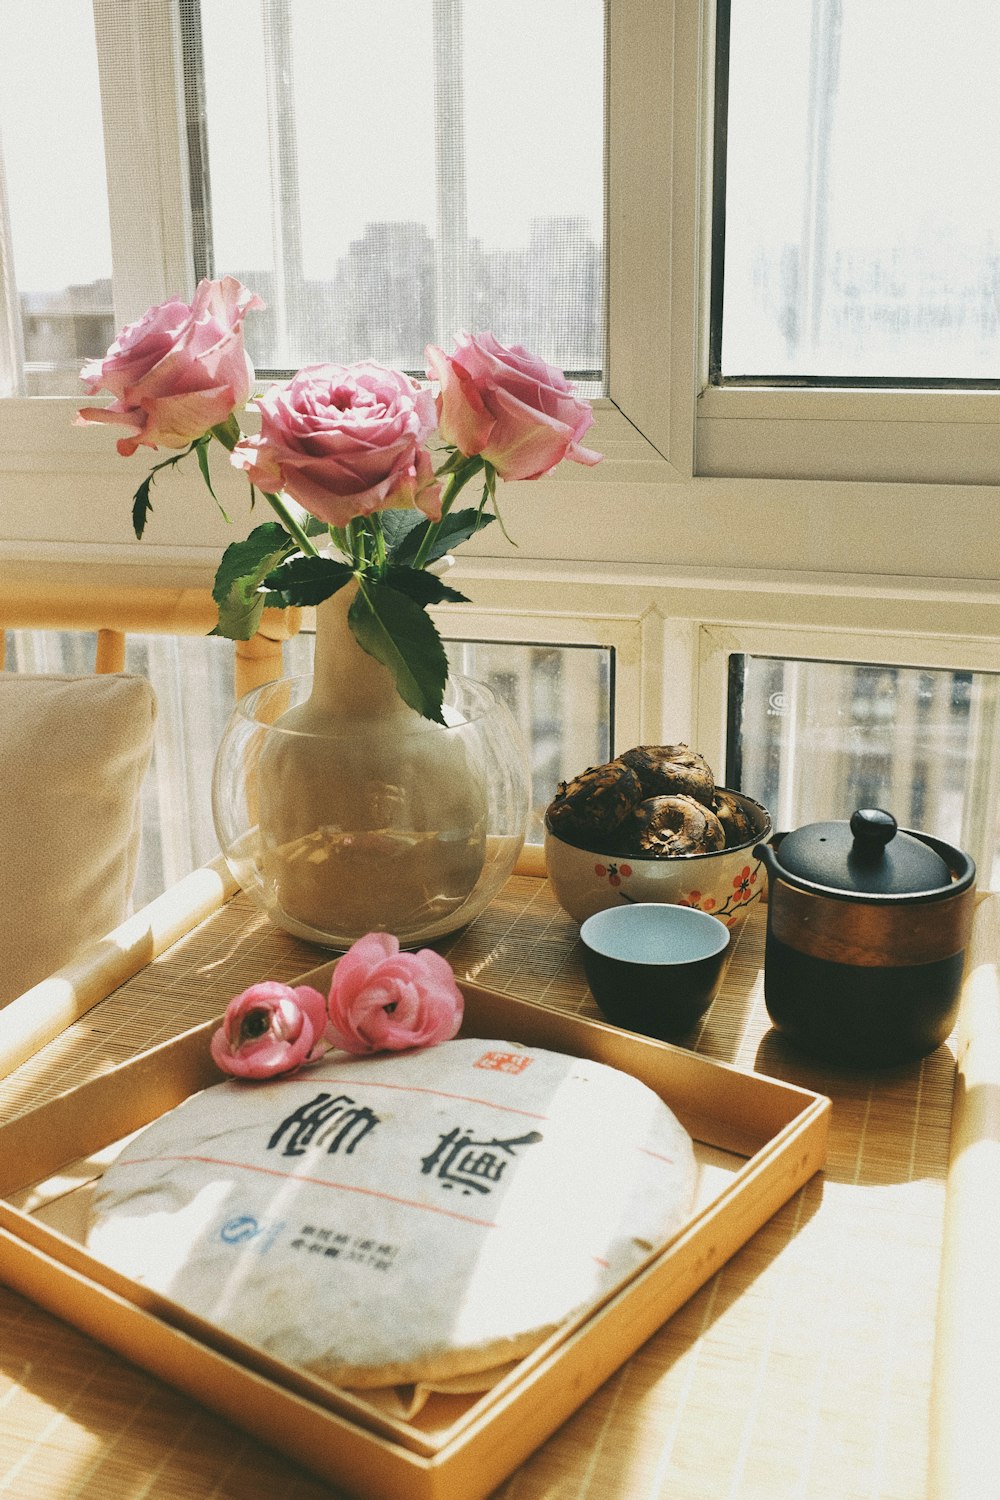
(872, 828)
(869, 854)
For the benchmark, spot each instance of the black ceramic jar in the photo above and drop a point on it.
(867, 926)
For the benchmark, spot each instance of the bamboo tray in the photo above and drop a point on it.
(849, 1351)
(759, 1141)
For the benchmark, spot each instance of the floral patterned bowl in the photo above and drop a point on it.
(724, 883)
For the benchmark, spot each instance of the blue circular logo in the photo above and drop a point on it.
(235, 1231)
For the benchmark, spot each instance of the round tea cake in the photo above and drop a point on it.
(411, 1216)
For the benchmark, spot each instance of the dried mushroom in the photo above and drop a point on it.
(595, 803)
(734, 818)
(658, 800)
(672, 771)
(676, 825)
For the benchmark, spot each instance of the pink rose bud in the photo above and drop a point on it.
(344, 441)
(177, 372)
(382, 1000)
(270, 1029)
(515, 410)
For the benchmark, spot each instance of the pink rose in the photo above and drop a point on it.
(382, 1000)
(177, 372)
(345, 440)
(508, 405)
(270, 1029)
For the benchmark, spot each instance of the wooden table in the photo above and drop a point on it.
(804, 1368)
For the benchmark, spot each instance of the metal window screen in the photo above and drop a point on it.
(861, 240)
(813, 740)
(387, 173)
(55, 239)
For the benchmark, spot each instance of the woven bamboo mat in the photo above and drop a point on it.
(802, 1369)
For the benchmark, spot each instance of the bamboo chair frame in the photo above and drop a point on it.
(33, 599)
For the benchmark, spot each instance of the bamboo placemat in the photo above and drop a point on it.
(802, 1369)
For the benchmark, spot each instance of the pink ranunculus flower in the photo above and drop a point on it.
(511, 407)
(270, 1029)
(177, 372)
(382, 1000)
(344, 441)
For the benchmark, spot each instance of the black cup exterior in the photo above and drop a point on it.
(866, 1017)
(662, 1001)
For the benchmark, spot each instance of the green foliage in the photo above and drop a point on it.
(400, 634)
(456, 527)
(277, 566)
(305, 581)
(142, 505)
(244, 566)
(422, 587)
(398, 527)
(201, 451)
(227, 432)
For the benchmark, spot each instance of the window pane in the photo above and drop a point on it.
(561, 699)
(863, 189)
(559, 695)
(814, 740)
(382, 197)
(55, 243)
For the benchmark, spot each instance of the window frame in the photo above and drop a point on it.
(895, 647)
(715, 488)
(804, 428)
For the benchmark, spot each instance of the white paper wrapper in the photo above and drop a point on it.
(400, 1220)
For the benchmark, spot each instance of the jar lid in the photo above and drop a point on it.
(869, 854)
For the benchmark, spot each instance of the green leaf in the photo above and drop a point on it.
(490, 489)
(456, 527)
(397, 526)
(201, 449)
(141, 507)
(399, 634)
(239, 577)
(472, 463)
(262, 550)
(239, 616)
(340, 539)
(306, 580)
(141, 503)
(422, 587)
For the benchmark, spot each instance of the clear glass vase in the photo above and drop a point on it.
(344, 812)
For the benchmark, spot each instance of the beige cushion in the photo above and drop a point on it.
(73, 754)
